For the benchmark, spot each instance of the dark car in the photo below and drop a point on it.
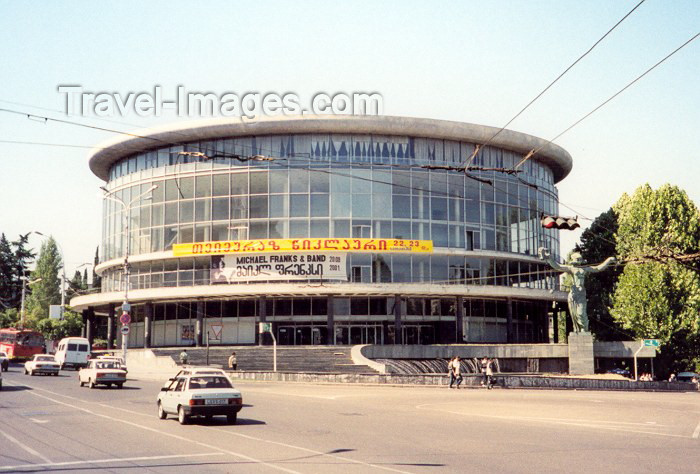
(687, 377)
(623, 372)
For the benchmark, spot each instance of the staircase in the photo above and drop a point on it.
(315, 359)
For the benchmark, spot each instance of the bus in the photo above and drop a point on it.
(21, 343)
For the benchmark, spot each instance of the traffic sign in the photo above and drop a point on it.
(216, 332)
(652, 342)
(125, 330)
(265, 327)
(125, 318)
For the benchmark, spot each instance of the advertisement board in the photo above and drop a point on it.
(262, 267)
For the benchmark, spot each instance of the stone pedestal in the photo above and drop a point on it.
(581, 353)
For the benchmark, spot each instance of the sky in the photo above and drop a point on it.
(472, 61)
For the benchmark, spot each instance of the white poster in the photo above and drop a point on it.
(275, 266)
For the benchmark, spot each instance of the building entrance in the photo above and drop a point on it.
(301, 335)
(372, 334)
(418, 334)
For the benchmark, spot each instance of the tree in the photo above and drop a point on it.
(55, 330)
(9, 318)
(7, 277)
(660, 297)
(96, 279)
(47, 291)
(76, 286)
(21, 259)
(598, 243)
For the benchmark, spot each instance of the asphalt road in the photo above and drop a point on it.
(50, 423)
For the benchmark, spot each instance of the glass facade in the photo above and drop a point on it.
(484, 225)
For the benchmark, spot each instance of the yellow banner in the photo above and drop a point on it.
(302, 245)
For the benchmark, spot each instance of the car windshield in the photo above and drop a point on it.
(46, 359)
(107, 364)
(209, 382)
(2, 354)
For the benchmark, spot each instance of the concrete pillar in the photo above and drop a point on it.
(147, 324)
(459, 320)
(510, 336)
(262, 317)
(110, 327)
(398, 316)
(89, 324)
(199, 328)
(555, 323)
(83, 330)
(331, 322)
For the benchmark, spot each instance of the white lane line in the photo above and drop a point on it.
(557, 421)
(291, 446)
(103, 461)
(696, 433)
(147, 428)
(36, 420)
(31, 451)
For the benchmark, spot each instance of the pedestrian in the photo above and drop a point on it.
(457, 370)
(183, 357)
(489, 373)
(450, 371)
(672, 378)
(484, 364)
(232, 362)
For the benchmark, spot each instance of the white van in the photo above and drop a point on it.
(73, 352)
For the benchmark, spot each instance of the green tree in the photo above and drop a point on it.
(598, 243)
(9, 318)
(76, 285)
(47, 291)
(96, 279)
(660, 297)
(7, 277)
(55, 330)
(22, 257)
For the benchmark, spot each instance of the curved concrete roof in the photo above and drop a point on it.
(111, 151)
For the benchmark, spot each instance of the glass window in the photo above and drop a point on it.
(298, 229)
(220, 185)
(341, 228)
(299, 180)
(219, 209)
(319, 205)
(171, 213)
(361, 181)
(171, 190)
(320, 182)
(341, 205)
(239, 183)
(361, 205)
(319, 228)
(258, 229)
(203, 186)
(401, 182)
(186, 211)
(258, 183)
(439, 208)
(186, 188)
(202, 209)
(279, 229)
(239, 207)
(401, 206)
(299, 205)
(279, 205)
(340, 183)
(258, 207)
(157, 214)
(202, 233)
(439, 233)
(279, 181)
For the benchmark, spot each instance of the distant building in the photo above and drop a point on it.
(395, 249)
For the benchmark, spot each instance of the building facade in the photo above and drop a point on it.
(334, 229)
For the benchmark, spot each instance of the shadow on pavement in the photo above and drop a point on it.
(14, 388)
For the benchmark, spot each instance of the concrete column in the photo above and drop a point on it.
(510, 336)
(147, 324)
(110, 327)
(331, 322)
(398, 316)
(199, 328)
(262, 317)
(83, 330)
(555, 323)
(89, 323)
(459, 320)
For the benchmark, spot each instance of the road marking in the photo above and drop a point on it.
(36, 420)
(31, 451)
(696, 433)
(562, 421)
(291, 446)
(143, 427)
(103, 461)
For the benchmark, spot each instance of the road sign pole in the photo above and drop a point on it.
(635, 360)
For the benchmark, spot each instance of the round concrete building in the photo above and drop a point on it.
(334, 229)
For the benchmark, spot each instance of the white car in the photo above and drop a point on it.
(42, 364)
(4, 362)
(199, 395)
(115, 359)
(102, 372)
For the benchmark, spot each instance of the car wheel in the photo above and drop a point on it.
(120, 385)
(25, 371)
(181, 416)
(31, 373)
(91, 384)
(82, 384)
(161, 413)
(232, 418)
(208, 418)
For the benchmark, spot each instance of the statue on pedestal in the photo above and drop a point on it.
(577, 294)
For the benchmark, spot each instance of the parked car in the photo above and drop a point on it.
(0, 379)
(73, 352)
(4, 362)
(102, 372)
(42, 364)
(623, 372)
(199, 395)
(687, 377)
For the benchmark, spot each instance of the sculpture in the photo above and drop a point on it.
(577, 294)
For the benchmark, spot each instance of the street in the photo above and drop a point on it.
(50, 423)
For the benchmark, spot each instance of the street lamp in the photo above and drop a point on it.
(25, 283)
(126, 307)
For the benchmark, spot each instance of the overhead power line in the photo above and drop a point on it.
(555, 80)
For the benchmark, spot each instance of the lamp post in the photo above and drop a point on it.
(63, 271)
(25, 283)
(126, 307)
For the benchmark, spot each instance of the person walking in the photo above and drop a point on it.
(457, 370)
(183, 357)
(233, 362)
(484, 364)
(451, 372)
(489, 373)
